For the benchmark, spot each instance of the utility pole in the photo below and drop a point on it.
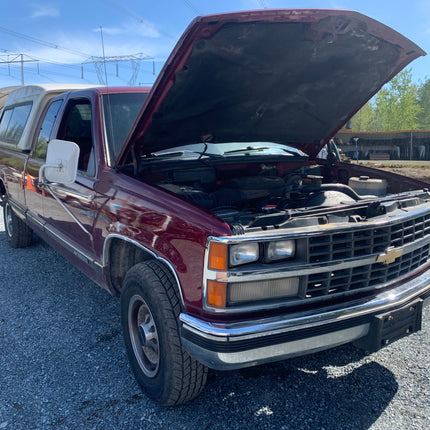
(20, 59)
(22, 70)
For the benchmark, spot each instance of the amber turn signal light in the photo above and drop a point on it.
(216, 294)
(218, 256)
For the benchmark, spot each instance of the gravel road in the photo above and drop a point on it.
(63, 366)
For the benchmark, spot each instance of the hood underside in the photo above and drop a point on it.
(284, 76)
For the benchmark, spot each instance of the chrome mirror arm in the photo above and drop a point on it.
(42, 171)
(68, 210)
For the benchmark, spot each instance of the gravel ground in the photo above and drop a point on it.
(63, 366)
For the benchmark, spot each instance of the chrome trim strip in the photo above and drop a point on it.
(88, 197)
(106, 246)
(35, 220)
(281, 351)
(84, 257)
(252, 330)
(44, 227)
(256, 272)
(404, 215)
(284, 323)
(17, 206)
(286, 273)
(290, 270)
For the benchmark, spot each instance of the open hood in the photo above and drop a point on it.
(287, 76)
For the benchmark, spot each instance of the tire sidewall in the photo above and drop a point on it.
(21, 235)
(10, 237)
(155, 387)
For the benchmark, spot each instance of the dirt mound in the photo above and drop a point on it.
(412, 169)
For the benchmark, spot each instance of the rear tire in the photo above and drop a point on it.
(18, 234)
(150, 310)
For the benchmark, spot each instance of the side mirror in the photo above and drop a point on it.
(61, 162)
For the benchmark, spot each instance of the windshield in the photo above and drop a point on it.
(120, 112)
(230, 149)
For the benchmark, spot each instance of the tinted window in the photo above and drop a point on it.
(13, 122)
(120, 112)
(7, 114)
(46, 130)
(77, 127)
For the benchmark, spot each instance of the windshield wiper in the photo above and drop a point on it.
(182, 153)
(262, 148)
(247, 149)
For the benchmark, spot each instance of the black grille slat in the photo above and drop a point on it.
(338, 246)
(367, 276)
(343, 245)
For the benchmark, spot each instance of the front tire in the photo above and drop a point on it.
(150, 310)
(19, 234)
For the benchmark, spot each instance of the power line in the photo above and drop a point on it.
(43, 42)
(100, 65)
(192, 7)
(45, 61)
(133, 15)
(263, 4)
(17, 59)
(134, 61)
(12, 59)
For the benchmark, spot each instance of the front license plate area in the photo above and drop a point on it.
(388, 327)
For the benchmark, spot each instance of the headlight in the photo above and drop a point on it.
(280, 250)
(244, 253)
(242, 292)
(223, 295)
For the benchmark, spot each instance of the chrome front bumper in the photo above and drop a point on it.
(243, 344)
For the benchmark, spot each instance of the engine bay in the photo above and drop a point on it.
(266, 195)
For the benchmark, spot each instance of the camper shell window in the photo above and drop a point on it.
(13, 122)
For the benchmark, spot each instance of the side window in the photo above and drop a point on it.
(13, 122)
(77, 127)
(46, 130)
(7, 115)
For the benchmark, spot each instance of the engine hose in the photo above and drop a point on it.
(345, 189)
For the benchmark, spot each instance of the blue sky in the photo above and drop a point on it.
(58, 39)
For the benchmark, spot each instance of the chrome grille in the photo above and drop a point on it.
(365, 277)
(341, 245)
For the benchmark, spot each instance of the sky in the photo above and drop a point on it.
(53, 41)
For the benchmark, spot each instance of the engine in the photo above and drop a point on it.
(266, 200)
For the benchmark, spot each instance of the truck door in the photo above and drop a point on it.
(13, 121)
(33, 192)
(70, 212)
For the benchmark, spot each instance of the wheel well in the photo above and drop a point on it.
(123, 255)
(2, 192)
(2, 188)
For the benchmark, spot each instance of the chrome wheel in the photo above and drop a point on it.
(8, 219)
(144, 336)
(18, 233)
(150, 309)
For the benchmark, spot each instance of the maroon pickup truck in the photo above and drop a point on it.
(203, 204)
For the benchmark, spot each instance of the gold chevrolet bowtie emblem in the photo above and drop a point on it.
(389, 257)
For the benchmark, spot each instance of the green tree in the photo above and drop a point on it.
(362, 120)
(424, 102)
(396, 105)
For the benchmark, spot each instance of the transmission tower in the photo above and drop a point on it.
(20, 59)
(100, 66)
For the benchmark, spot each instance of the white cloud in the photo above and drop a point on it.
(254, 4)
(90, 45)
(41, 11)
(143, 28)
